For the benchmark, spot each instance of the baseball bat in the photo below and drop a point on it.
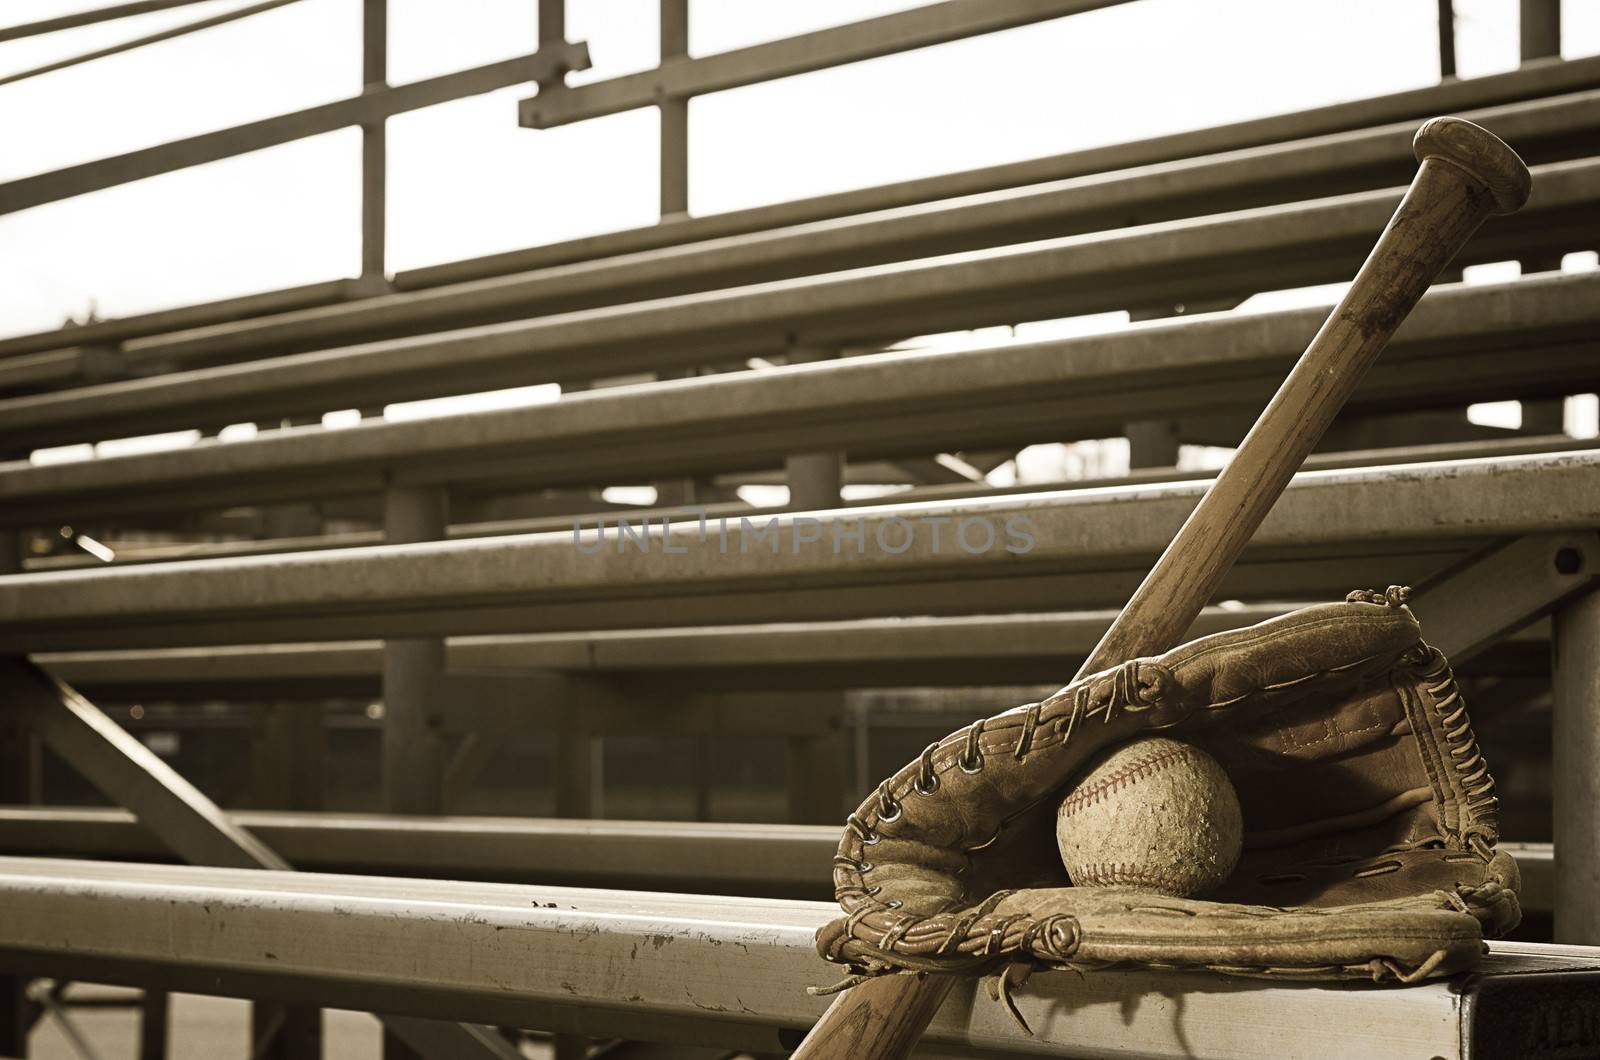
(1465, 175)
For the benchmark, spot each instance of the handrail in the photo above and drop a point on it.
(369, 106)
(89, 18)
(682, 78)
(153, 38)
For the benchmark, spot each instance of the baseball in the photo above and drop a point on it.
(1154, 814)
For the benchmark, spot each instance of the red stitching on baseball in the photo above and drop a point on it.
(1120, 779)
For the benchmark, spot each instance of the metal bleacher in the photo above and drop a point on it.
(377, 561)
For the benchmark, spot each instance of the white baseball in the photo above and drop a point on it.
(1154, 814)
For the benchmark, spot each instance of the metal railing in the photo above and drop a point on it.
(669, 87)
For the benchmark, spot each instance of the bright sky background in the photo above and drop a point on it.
(465, 180)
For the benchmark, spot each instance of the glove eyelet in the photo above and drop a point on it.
(893, 903)
(976, 765)
(865, 866)
(933, 785)
(870, 839)
(889, 818)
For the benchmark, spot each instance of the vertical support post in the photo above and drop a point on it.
(1540, 24)
(577, 772)
(702, 778)
(414, 751)
(674, 114)
(281, 1032)
(374, 142)
(19, 748)
(578, 778)
(1152, 443)
(815, 479)
(1576, 770)
(1447, 39)
(1541, 29)
(552, 25)
(19, 785)
(286, 756)
(154, 1010)
(815, 768)
(862, 716)
(816, 762)
(18, 1014)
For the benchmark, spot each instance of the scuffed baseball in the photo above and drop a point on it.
(1155, 814)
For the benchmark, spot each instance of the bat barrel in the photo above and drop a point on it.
(1479, 153)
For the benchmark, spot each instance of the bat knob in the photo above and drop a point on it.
(1481, 154)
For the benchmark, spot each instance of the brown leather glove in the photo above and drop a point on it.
(1369, 818)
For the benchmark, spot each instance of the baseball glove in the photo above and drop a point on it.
(1369, 819)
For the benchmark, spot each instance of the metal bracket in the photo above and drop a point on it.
(173, 809)
(1494, 594)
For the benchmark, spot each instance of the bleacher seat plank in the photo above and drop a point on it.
(1512, 444)
(789, 860)
(920, 652)
(958, 649)
(113, 331)
(651, 966)
(1462, 343)
(1331, 531)
(1229, 254)
(1544, 130)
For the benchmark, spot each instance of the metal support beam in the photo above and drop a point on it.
(184, 820)
(817, 767)
(1541, 29)
(25, 192)
(1465, 610)
(286, 751)
(19, 785)
(1575, 775)
(578, 773)
(89, 18)
(483, 705)
(814, 479)
(152, 38)
(815, 763)
(154, 1022)
(1152, 443)
(285, 1032)
(414, 751)
(674, 114)
(374, 140)
(920, 27)
(1447, 39)
(131, 774)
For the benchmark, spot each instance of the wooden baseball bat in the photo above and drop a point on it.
(1466, 174)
